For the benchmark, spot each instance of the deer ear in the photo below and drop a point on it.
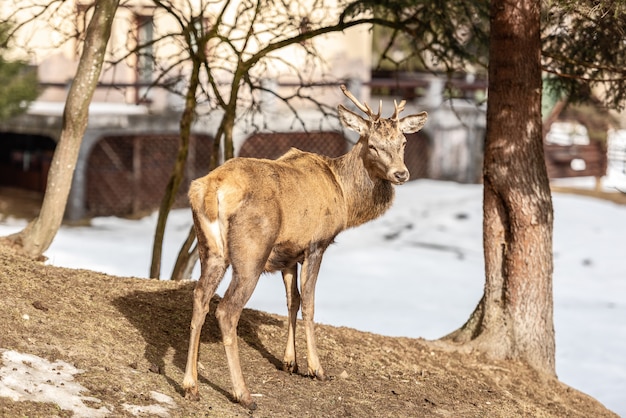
(351, 120)
(412, 123)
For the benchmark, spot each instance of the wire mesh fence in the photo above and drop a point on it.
(331, 144)
(273, 145)
(128, 175)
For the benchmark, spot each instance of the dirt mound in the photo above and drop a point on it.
(126, 341)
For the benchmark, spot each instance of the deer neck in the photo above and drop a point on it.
(366, 196)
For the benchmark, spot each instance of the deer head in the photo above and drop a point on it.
(382, 139)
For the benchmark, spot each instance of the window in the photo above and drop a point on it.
(145, 56)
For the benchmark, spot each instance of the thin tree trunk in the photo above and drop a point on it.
(187, 258)
(514, 319)
(37, 236)
(229, 123)
(178, 173)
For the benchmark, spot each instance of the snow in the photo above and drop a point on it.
(39, 107)
(25, 377)
(161, 409)
(418, 272)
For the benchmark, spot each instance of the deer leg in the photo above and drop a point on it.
(310, 269)
(290, 278)
(213, 265)
(227, 314)
(213, 269)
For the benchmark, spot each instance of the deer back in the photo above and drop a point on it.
(293, 201)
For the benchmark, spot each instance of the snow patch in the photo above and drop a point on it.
(26, 377)
(153, 410)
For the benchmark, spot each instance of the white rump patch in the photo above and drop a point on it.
(214, 229)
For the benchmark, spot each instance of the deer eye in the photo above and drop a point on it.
(372, 147)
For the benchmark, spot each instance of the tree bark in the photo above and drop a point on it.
(514, 319)
(37, 236)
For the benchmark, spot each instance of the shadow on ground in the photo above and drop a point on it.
(163, 318)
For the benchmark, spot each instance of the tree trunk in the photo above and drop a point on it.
(178, 173)
(514, 319)
(37, 236)
(187, 258)
(188, 255)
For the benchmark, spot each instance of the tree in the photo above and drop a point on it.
(37, 236)
(583, 51)
(579, 45)
(514, 317)
(196, 44)
(18, 82)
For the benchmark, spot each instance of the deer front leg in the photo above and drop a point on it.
(290, 278)
(308, 279)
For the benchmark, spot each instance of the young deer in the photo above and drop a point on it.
(262, 215)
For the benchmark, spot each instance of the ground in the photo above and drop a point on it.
(128, 336)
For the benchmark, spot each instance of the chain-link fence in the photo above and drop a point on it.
(417, 155)
(575, 160)
(127, 175)
(332, 144)
(273, 145)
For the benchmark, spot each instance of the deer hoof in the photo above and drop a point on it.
(251, 406)
(318, 375)
(247, 402)
(290, 367)
(192, 394)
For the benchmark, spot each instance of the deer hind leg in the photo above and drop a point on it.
(228, 313)
(290, 278)
(213, 266)
(308, 279)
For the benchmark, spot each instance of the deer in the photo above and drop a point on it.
(259, 215)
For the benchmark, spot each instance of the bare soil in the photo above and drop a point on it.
(129, 335)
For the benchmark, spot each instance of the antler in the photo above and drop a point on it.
(399, 108)
(363, 107)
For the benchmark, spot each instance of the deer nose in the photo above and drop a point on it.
(401, 176)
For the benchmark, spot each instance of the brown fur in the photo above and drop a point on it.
(262, 215)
